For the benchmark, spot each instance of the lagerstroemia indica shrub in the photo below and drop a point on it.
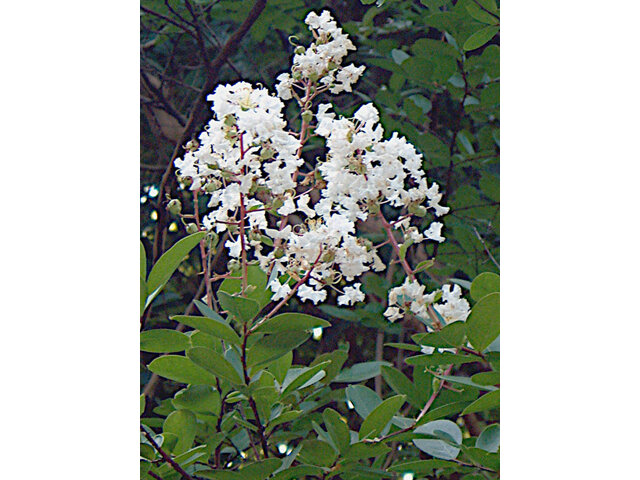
(291, 225)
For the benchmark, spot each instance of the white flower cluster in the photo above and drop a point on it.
(244, 146)
(321, 61)
(362, 169)
(410, 297)
(250, 164)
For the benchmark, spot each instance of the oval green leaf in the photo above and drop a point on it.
(483, 324)
(181, 369)
(215, 363)
(378, 419)
(163, 340)
(210, 326)
(291, 321)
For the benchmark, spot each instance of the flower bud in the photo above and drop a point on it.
(374, 207)
(210, 187)
(187, 181)
(278, 252)
(192, 228)
(192, 145)
(229, 120)
(332, 65)
(307, 116)
(417, 210)
(267, 153)
(299, 50)
(174, 207)
(233, 265)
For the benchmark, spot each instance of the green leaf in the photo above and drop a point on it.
(483, 324)
(255, 278)
(486, 402)
(402, 385)
(484, 12)
(244, 309)
(181, 369)
(337, 429)
(163, 340)
(143, 401)
(169, 262)
(143, 261)
(291, 321)
(378, 419)
(215, 363)
(317, 452)
(443, 411)
(481, 37)
(198, 398)
(489, 439)
(337, 357)
(360, 450)
(299, 471)
(444, 358)
(360, 371)
(440, 448)
(143, 295)
(450, 336)
(422, 467)
(260, 470)
(181, 423)
(281, 366)
(486, 378)
(484, 284)
(300, 377)
(465, 381)
(210, 313)
(271, 347)
(210, 326)
(484, 458)
(364, 399)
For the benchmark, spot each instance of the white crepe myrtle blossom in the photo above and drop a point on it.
(295, 218)
(455, 308)
(351, 295)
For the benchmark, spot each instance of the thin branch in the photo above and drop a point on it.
(166, 457)
(486, 249)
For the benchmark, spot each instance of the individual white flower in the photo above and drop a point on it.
(351, 295)
(307, 293)
(279, 290)
(454, 308)
(346, 77)
(303, 206)
(433, 232)
(235, 247)
(392, 314)
(288, 208)
(284, 86)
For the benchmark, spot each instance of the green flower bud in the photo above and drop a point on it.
(233, 265)
(192, 228)
(278, 252)
(174, 207)
(229, 120)
(307, 116)
(210, 187)
(299, 50)
(187, 181)
(417, 210)
(374, 207)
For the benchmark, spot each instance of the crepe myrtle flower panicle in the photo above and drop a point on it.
(298, 218)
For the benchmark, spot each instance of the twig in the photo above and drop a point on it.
(486, 249)
(164, 455)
